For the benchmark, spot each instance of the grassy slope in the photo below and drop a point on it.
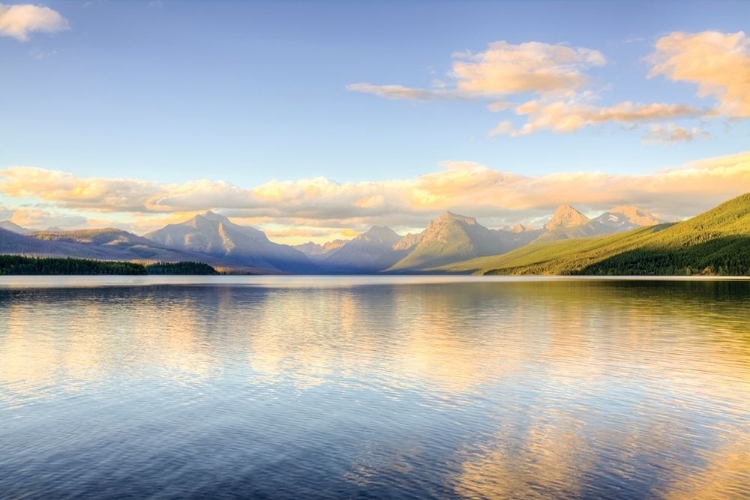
(717, 241)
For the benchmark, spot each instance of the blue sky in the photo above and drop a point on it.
(248, 93)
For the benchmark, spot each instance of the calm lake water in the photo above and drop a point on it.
(373, 387)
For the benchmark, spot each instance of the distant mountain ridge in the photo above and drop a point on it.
(369, 252)
(214, 239)
(569, 223)
(13, 227)
(214, 234)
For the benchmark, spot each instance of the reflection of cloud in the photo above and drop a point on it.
(725, 476)
(549, 463)
(465, 187)
(19, 21)
(718, 62)
(557, 387)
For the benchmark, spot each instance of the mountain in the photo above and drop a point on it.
(408, 242)
(19, 244)
(450, 238)
(99, 244)
(636, 216)
(215, 235)
(13, 228)
(565, 216)
(714, 242)
(371, 251)
(114, 244)
(315, 251)
(569, 223)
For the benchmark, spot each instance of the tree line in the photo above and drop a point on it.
(22, 265)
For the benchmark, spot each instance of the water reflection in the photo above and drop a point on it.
(480, 389)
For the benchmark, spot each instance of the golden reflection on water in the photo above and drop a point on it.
(585, 367)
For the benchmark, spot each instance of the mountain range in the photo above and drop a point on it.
(215, 240)
(714, 242)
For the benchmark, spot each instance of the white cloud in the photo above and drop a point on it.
(19, 21)
(718, 62)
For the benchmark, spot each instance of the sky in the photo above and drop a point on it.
(315, 120)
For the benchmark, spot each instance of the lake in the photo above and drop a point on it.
(374, 387)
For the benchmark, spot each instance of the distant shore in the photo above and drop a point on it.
(18, 265)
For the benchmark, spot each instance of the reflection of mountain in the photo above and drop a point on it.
(553, 389)
(215, 235)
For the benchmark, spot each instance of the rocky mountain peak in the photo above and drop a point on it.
(636, 215)
(566, 216)
(213, 216)
(451, 217)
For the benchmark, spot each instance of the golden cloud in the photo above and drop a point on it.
(465, 187)
(565, 117)
(502, 69)
(18, 21)
(718, 62)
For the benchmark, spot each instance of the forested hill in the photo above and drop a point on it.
(20, 265)
(715, 242)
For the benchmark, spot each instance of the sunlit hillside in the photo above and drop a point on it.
(715, 242)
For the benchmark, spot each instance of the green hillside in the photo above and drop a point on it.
(715, 242)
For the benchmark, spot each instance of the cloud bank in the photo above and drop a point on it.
(464, 187)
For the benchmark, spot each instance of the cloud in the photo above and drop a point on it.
(503, 69)
(718, 62)
(19, 21)
(556, 75)
(565, 117)
(464, 187)
(98, 194)
(39, 218)
(671, 133)
(536, 67)
(396, 92)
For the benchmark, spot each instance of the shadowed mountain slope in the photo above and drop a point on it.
(13, 227)
(451, 238)
(371, 251)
